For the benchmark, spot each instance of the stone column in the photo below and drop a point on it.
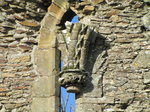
(47, 58)
(45, 88)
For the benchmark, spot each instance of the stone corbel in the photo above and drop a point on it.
(74, 74)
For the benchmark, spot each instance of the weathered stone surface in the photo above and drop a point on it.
(56, 11)
(16, 69)
(117, 77)
(111, 2)
(19, 36)
(63, 3)
(142, 60)
(146, 0)
(146, 20)
(3, 3)
(45, 87)
(5, 75)
(24, 47)
(88, 9)
(13, 44)
(118, 81)
(98, 1)
(147, 78)
(19, 58)
(42, 59)
(48, 104)
(102, 100)
(47, 39)
(41, 104)
(115, 18)
(113, 12)
(28, 23)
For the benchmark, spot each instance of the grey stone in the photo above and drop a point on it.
(13, 44)
(14, 110)
(45, 87)
(142, 60)
(1, 106)
(3, 109)
(147, 78)
(146, 0)
(146, 20)
(20, 36)
(103, 100)
(2, 17)
(43, 58)
(9, 39)
(3, 3)
(48, 104)
(113, 69)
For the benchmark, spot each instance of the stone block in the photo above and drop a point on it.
(13, 44)
(46, 38)
(56, 11)
(47, 61)
(19, 58)
(61, 3)
(115, 18)
(113, 12)
(6, 75)
(97, 1)
(24, 47)
(49, 22)
(111, 2)
(3, 3)
(29, 23)
(45, 87)
(50, 104)
(3, 95)
(3, 90)
(142, 60)
(88, 9)
(146, 0)
(138, 5)
(146, 20)
(3, 60)
(103, 100)
(147, 78)
(19, 36)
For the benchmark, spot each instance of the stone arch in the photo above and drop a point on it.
(47, 56)
(47, 59)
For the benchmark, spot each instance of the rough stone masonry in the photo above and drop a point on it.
(118, 64)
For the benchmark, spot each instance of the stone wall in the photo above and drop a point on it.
(119, 60)
(19, 26)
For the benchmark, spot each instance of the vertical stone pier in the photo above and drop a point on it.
(47, 58)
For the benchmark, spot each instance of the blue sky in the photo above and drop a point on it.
(71, 101)
(75, 19)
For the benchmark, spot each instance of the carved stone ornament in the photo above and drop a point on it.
(73, 80)
(74, 74)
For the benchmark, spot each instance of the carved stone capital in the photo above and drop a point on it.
(74, 74)
(73, 79)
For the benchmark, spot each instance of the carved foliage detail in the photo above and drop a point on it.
(74, 72)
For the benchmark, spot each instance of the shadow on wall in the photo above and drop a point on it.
(97, 53)
(68, 16)
(96, 60)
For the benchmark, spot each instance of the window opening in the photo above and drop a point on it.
(75, 19)
(67, 99)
